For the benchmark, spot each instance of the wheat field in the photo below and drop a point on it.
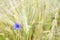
(29, 19)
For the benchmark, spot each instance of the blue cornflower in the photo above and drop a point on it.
(17, 26)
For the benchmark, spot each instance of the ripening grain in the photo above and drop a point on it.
(29, 19)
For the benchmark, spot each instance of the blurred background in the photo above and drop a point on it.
(29, 19)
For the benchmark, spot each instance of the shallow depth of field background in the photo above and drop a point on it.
(39, 19)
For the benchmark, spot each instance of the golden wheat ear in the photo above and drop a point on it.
(29, 20)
